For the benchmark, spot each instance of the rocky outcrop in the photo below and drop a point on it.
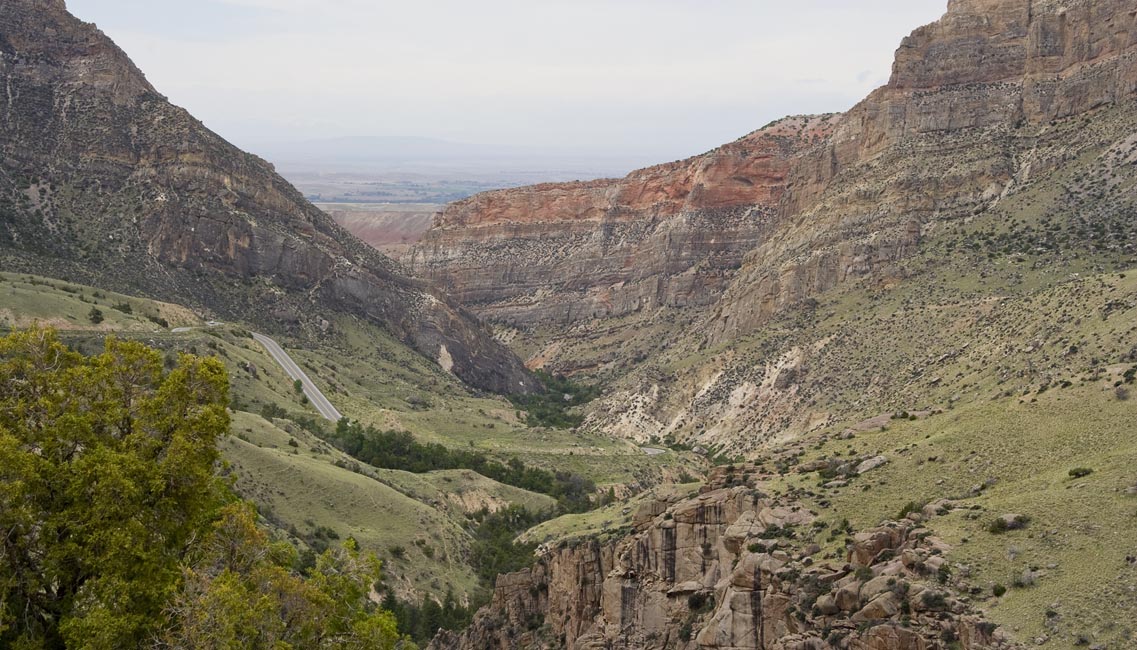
(669, 235)
(988, 113)
(730, 569)
(105, 180)
(948, 136)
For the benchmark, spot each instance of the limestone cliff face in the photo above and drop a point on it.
(729, 569)
(664, 236)
(102, 178)
(946, 137)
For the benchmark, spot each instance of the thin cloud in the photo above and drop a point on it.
(670, 76)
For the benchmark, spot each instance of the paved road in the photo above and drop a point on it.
(314, 395)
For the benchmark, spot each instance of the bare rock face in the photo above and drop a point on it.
(985, 108)
(102, 179)
(946, 137)
(763, 225)
(728, 569)
(664, 236)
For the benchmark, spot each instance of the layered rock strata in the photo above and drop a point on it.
(946, 137)
(669, 235)
(103, 179)
(807, 204)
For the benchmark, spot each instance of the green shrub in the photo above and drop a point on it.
(908, 509)
(551, 408)
(934, 600)
(399, 450)
(1001, 525)
(1080, 472)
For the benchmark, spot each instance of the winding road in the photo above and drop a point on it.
(314, 395)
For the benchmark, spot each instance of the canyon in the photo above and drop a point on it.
(862, 379)
(792, 210)
(893, 259)
(666, 236)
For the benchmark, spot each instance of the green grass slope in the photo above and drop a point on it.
(1066, 573)
(418, 523)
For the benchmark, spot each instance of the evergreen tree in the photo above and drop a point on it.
(106, 475)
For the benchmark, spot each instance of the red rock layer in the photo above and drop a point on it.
(666, 235)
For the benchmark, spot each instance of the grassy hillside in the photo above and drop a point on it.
(1066, 572)
(418, 523)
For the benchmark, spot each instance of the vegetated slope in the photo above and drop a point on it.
(103, 180)
(279, 455)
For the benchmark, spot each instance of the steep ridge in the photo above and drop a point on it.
(103, 180)
(949, 271)
(965, 120)
(666, 236)
(956, 129)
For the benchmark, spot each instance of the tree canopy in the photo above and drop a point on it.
(106, 474)
(241, 594)
(115, 531)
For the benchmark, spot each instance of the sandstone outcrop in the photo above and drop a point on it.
(103, 179)
(731, 569)
(669, 235)
(986, 109)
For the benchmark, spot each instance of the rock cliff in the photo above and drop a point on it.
(669, 235)
(105, 180)
(952, 132)
(968, 117)
(732, 568)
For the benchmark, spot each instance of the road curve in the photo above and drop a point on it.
(314, 395)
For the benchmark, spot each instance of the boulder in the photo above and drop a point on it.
(883, 607)
(869, 465)
(848, 598)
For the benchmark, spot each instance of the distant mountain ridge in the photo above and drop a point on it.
(103, 179)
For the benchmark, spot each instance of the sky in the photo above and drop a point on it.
(653, 78)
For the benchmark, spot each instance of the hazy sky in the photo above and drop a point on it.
(661, 78)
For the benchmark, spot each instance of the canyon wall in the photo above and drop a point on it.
(669, 235)
(791, 211)
(103, 179)
(945, 138)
